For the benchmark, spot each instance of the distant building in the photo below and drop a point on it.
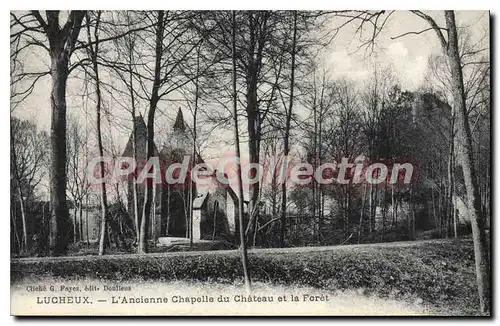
(214, 208)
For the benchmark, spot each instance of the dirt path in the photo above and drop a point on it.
(273, 251)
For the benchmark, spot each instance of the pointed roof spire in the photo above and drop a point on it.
(141, 135)
(179, 122)
(140, 124)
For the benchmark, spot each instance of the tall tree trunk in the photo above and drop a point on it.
(61, 45)
(146, 209)
(136, 210)
(370, 203)
(481, 246)
(373, 208)
(396, 213)
(243, 249)
(393, 206)
(455, 217)
(434, 208)
(94, 50)
(80, 219)
(167, 223)
(20, 193)
(134, 147)
(148, 188)
(314, 185)
(14, 227)
(361, 213)
(60, 223)
(23, 218)
(130, 49)
(258, 35)
(75, 219)
(103, 195)
(153, 220)
(451, 187)
(318, 152)
(384, 213)
(253, 127)
(87, 219)
(287, 135)
(193, 152)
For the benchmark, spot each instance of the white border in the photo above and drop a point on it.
(5, 319)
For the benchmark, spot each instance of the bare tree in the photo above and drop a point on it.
(450, 46)
(175, 44)
(243, 249)
(61, 44)
(78, 186)
(127, 72)
(28, 157)
(93, 52)
(60, 41)
(465, 156)
(288, 118)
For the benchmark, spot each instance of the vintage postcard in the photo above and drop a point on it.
(185, 163)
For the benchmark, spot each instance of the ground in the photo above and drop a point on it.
(420, 277)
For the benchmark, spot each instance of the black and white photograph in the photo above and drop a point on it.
(250, 162)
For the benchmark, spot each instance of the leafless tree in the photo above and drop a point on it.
(243, 249)
(61, 44)
(288, 118)
(28, 157)
(78, 186)
(175, 44)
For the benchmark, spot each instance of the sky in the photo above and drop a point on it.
(408, 54)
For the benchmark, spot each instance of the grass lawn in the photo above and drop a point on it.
(437, 275)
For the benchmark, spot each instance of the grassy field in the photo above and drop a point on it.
(436, 274)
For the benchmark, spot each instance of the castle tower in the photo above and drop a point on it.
(175, 198)
(180, 137)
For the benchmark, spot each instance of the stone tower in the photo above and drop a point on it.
(175, 200)
(179, 138)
